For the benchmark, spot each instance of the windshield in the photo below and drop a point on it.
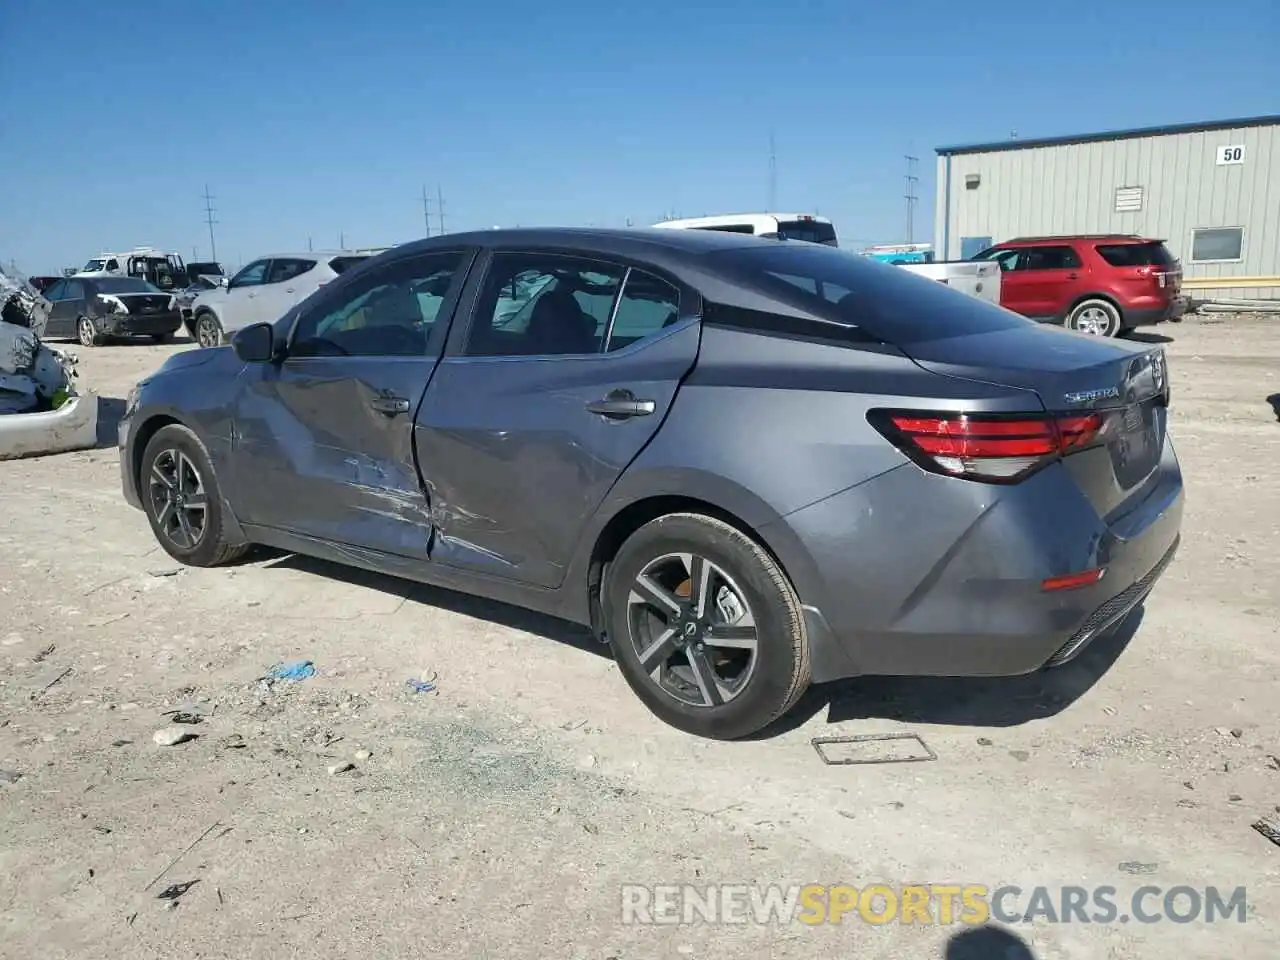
(810, 231)
(93, 266)
(890, 304)
(125, 285)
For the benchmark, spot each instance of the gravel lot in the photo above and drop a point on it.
(499, 816)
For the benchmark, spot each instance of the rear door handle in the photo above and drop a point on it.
(621, 405)
(1073, 276)
(390, 405)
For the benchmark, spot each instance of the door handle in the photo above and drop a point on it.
(390, 405)
(1073, 276)
(621, 405)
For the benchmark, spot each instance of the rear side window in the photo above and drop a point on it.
(287, 268)
(647, 305)
(340, 265)
(1049, 258)
(885, 302)
(1135, 254)
(731, 228)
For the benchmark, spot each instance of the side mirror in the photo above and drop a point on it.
(224, 282)
(255, 344)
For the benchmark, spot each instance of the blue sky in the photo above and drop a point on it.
(324, 119)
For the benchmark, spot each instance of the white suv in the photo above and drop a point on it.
(264, 291)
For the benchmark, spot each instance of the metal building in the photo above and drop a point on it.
(1211, 191)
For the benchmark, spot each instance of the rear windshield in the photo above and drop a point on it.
(1154, 254)
(343, 264)
(124, 285)
(810, 231)
(887, 302)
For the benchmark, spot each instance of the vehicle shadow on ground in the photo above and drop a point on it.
(1146, 336)
(962, 701)
(1274, 400)
(988, 943)
(110, 413)
(541, 625)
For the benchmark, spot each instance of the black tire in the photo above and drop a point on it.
(1100, 318)
(780, 671)
(170, 446)
(208, 331)
(88, 333)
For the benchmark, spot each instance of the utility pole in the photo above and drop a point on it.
(309, 247)
(342, 241)
(208, 218)
(440, 207)
(773, 174)
(910, 195)
(426, 210)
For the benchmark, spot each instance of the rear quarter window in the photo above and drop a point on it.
(340, 265)
(1135, 254)
(878, 299)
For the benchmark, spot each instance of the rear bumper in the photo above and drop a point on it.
(1149, 316)
(141, 325)
(917, 575)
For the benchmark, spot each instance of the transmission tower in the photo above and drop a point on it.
(910, 195)
(208, 218)
(426, 210)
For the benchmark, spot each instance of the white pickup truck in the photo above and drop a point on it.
(979, 279)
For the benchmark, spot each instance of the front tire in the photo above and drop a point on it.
(705, 627)
(181, 498)
(88, 334)
(1097, 318)
(208, 331)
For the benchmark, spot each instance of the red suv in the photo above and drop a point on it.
(1104, 284)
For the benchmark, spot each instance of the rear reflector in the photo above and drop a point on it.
(1071, 581)
(997, 449)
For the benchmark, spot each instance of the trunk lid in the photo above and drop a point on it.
(1126, 384)
(144, 304)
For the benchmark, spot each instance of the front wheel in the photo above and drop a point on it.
(208, 330)
(180, 495)
(1097, 318)
(87, 333)
(705, 627)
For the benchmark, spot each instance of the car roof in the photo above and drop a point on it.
(633, 240)
(1069, 237)
(308, 255)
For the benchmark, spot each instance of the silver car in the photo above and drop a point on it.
(264, 290)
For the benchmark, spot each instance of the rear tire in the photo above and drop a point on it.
(208, 331)
(724, 671)
(182, 501)
(1098, 318)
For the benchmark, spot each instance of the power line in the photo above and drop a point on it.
(910, 195)
(208, 218)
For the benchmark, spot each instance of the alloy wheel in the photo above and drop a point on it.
(85, 332)
(1094, 321)
(178, 500)
(207, 332)
(692, 629)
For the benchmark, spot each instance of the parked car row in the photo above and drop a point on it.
(746, 465)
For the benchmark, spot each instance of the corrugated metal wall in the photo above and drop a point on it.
(1071, 188)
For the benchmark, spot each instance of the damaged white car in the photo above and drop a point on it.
(40, 409)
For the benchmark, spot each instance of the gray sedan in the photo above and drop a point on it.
(746, 464)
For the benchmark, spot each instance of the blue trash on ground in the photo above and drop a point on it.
(294, 671)
(422, 686)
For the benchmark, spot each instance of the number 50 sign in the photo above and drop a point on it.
(1230, 155)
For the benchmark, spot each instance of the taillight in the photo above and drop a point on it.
(992, 448)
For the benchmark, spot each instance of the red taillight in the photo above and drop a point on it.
(1073, 581)
(999, 449)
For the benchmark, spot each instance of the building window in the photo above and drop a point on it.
(1217, 245)
(1128, 199)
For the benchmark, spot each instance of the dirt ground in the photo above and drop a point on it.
(499, 815)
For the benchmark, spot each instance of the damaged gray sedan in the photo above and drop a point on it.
(746, 464)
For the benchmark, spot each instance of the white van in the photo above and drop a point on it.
(163, 270)
(779, 226)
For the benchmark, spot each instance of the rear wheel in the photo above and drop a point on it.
(208, 330)
(88, 334)
(180, 495)
(1097, 318)
(705, 627)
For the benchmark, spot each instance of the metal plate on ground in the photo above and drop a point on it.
(873, 748)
